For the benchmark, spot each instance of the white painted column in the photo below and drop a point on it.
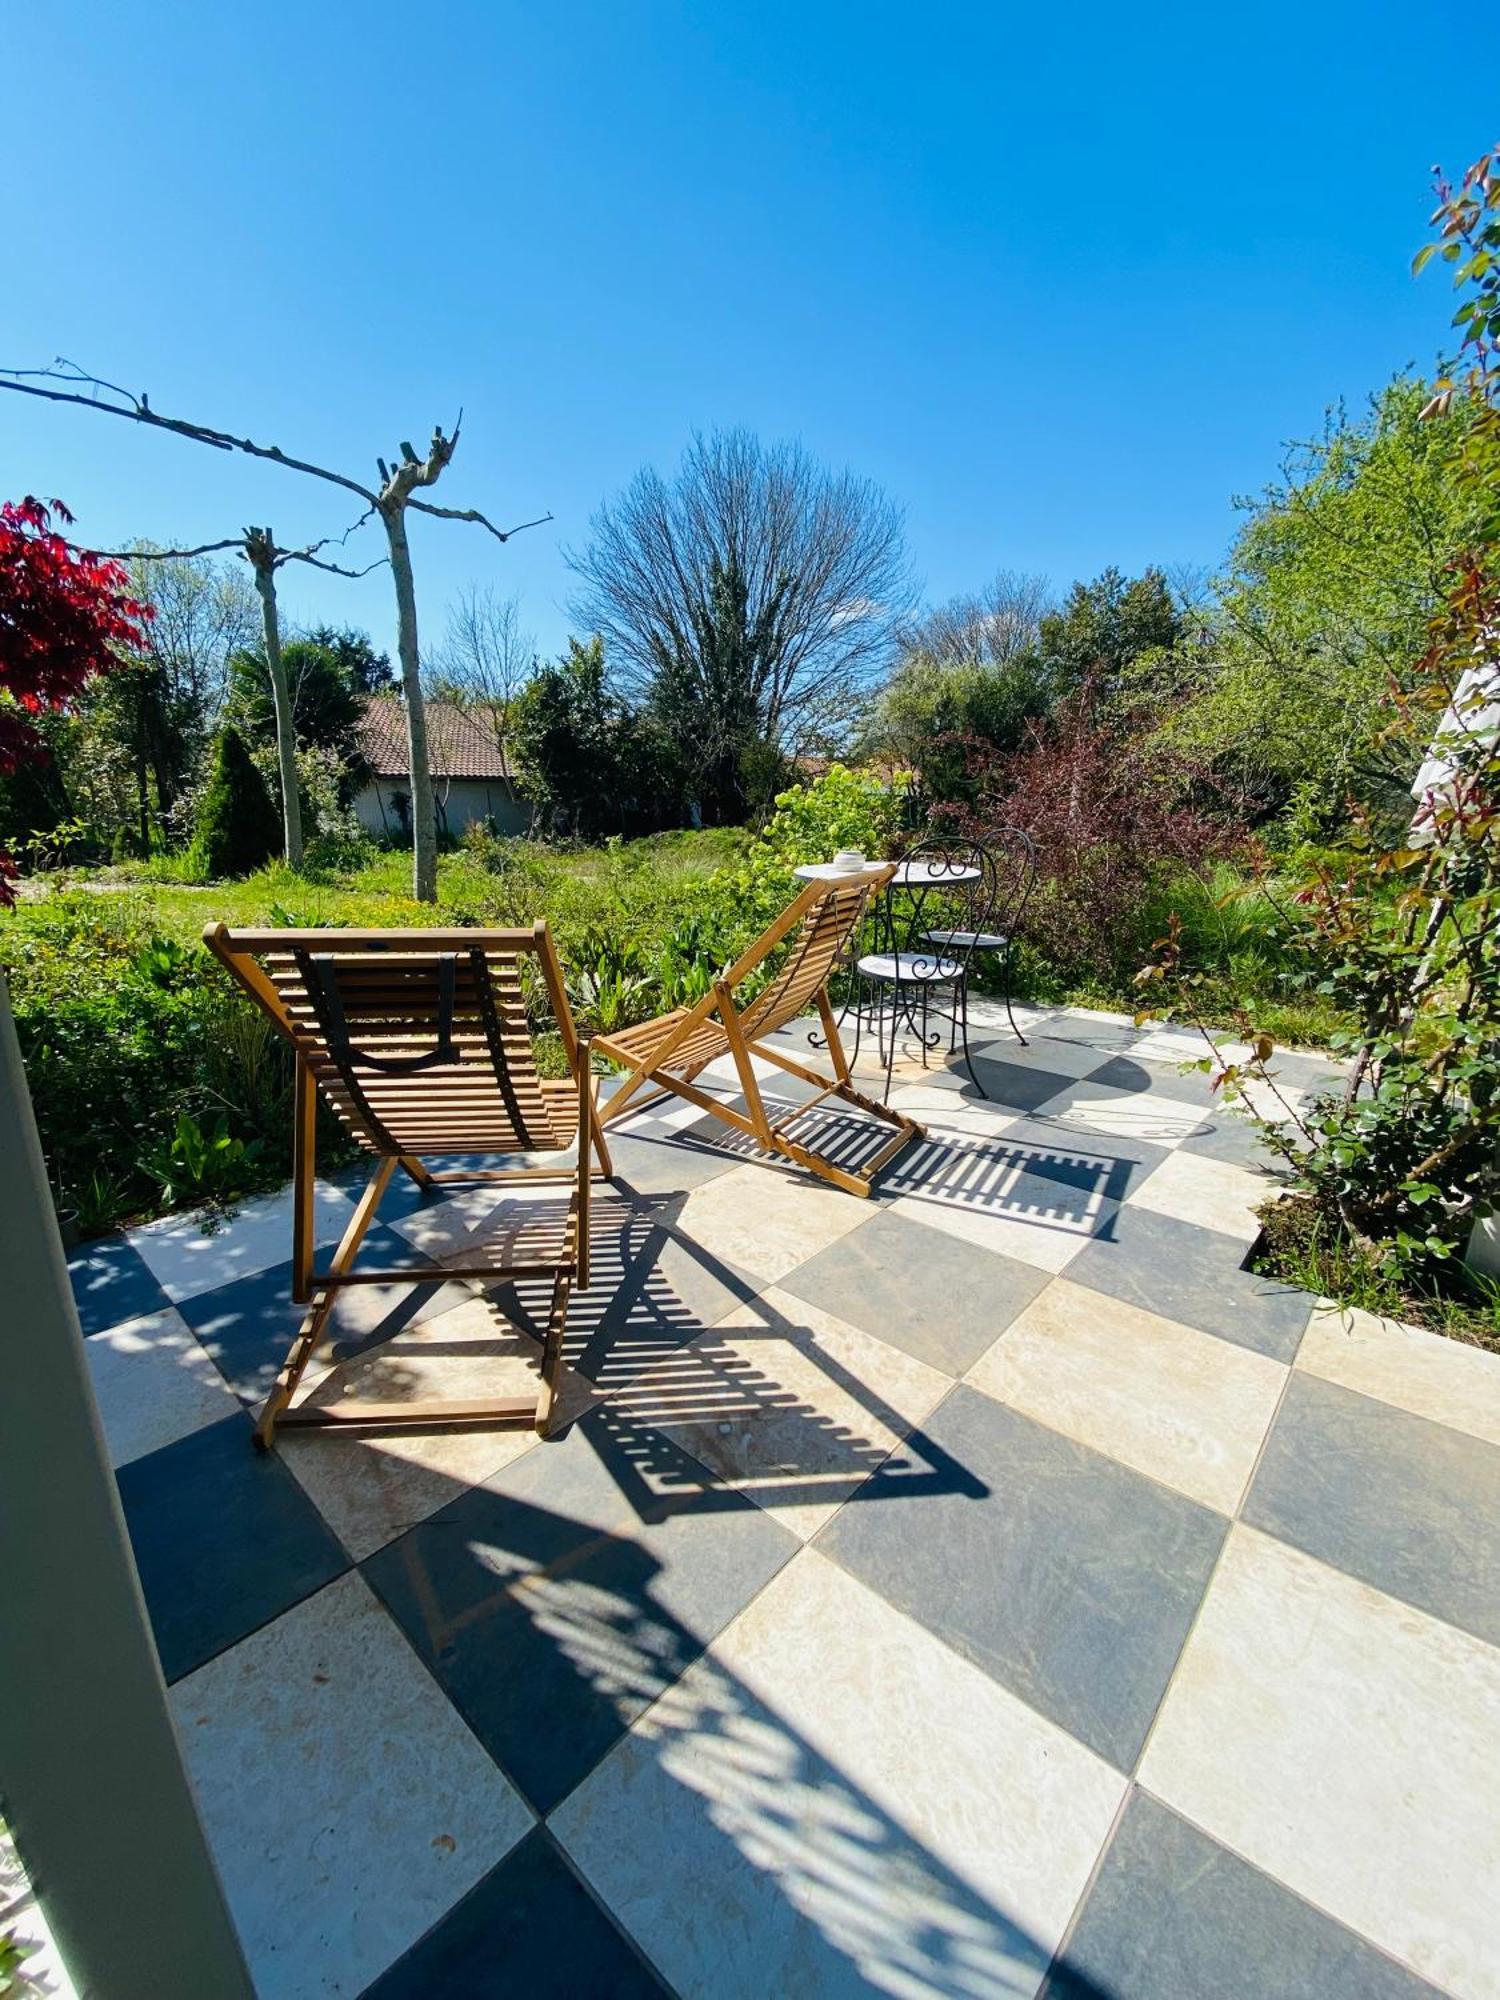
(92, 1781)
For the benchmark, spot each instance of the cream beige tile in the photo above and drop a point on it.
(1012, 1804)
(1162, 1044)
(1039, 1222)
(198, 1252)
(1176, 1404)
(1213, 1193)
(767, 1222)
(1346, 1744)
(1277, 1102)
(371, 1487)
(876, 1813)
(477, 1220)
(942, 1108)
(789, 1404)
(347, 1804)
(1426, 1373)
(153, 1384)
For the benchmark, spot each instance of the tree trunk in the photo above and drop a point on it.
(423, 811)
(281, 701)
(142, 777)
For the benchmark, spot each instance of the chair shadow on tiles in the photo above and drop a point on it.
(675, 1789)
(1069, 1187)
(679, 1357)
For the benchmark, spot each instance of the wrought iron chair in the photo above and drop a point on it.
(1006, 859)
(963, 898)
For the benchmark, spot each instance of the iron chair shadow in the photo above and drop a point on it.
(418, 1042)
(965, 900)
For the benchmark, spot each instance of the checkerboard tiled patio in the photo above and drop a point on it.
(988, 1589)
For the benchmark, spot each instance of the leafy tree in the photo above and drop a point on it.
(748, 598)
(589, 764)
(937, 717)
(239, 828)
(1329, 590)
(330, 675)
(1102, 627)
(63, 614)
(1404, 933)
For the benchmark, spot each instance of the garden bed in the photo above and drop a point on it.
(1302, 1244)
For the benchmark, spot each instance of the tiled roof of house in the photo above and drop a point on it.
(457, 745)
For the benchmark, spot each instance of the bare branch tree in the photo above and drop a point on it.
(66, 382)
(749, 597)
(485, 659)
(986, 628)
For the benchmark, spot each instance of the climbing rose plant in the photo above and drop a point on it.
(64, 615)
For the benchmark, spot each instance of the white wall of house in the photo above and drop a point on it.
(462, 802)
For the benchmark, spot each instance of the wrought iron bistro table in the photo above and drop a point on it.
(909, 978)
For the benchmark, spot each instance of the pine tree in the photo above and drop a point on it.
(239, 829)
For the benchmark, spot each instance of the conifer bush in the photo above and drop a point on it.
(239, 828)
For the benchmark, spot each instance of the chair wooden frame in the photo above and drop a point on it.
(670, 1051)
(475, 1090)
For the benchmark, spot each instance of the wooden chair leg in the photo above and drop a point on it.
(744, 1067)
(304, 1180)
(308, 1335)
(557, 1321)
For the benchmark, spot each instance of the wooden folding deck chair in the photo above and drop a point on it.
(418, 1042)
(670, 1051)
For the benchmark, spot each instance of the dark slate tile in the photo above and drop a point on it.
(1019, 1086)
(247, 1326)
(402, 1196)
(1174, 1916)
(932, 1295)
(1306, 1072)
(1092, 1031)
(559, 1599)
(224, 1539)
(1112, 1165)
(112, 1282)
(679, 1163)
(1195, 1275)
(1069, 1578)
(529, 1927)
(1162, 1079)
(1229, 1133)
(1406, 1504)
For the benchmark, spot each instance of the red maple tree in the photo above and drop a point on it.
(63, 614)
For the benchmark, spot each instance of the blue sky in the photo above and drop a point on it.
(1061, 279)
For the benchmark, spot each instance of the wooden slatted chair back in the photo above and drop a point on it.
(418, 1040)
(824, 935)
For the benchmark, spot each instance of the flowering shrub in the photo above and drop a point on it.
(63, 613)
(1110, 817)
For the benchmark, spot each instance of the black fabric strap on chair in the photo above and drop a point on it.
(336, 1028)
(323, 991)
(484, 992)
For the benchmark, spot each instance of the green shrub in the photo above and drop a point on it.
(127, 1032)
(238, 827)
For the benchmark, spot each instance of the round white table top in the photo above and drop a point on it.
(824, 871)
(922, 874)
